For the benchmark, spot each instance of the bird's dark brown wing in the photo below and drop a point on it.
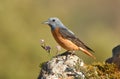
(66, 33)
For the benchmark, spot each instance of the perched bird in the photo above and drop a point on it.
(66, 38)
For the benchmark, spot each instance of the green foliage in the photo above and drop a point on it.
(99, 71)
(107, 71)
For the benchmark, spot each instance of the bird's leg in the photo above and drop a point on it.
(72, 52)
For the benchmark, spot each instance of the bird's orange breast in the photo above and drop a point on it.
(65, 43)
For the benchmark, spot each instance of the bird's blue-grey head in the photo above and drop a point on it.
(54, 23)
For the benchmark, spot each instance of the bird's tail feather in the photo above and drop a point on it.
(87, 52)
(89, 48)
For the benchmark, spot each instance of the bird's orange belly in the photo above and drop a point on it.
(65, 43)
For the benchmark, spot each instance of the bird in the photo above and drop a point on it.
(66, 38)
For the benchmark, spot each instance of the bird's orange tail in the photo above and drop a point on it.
(87, 52)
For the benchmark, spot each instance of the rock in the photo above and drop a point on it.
(115, 56)
(63, 66)
(70, 66)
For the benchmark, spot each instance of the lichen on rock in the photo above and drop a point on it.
(63, 66)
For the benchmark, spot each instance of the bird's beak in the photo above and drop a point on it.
(45, 22)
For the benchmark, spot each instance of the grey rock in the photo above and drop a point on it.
(115, 57)
(63, 66)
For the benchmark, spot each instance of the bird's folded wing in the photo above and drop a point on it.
(67, 34)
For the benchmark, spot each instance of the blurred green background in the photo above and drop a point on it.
(95, 22)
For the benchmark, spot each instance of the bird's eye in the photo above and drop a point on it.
(53, 20)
